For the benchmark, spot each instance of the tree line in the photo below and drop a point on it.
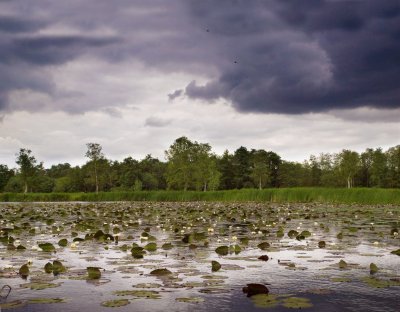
(190, 165)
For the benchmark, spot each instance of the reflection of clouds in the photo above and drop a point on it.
(314, 267)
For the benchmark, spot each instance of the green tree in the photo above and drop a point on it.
(260, 169)
(241, 168)
(94, 154)
(393, 157)
(190, 165)
(378, 168)
(180, 163)
(348, 164)
(226, 169)
(27, 166)
(5, 175)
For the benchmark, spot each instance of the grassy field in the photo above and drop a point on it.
(299, 195)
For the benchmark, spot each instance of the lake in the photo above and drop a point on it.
(152, 256)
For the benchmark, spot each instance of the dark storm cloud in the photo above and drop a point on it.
(12, 24)
(297, 57)
(262, 55)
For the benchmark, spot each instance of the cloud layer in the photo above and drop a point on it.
(267, 56)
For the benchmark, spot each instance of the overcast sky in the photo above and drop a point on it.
(294, 77)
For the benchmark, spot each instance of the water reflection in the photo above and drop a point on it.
(296, 267)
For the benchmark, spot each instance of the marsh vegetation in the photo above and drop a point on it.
(237, 256)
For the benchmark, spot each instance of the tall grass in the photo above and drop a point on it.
(304, 195)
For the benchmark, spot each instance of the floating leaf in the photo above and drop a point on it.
(58, 267)
(293, 233)
(167, 246)
(148, 294)
(24, 270)
(161, 272)
(115, 303)
(93, 273)
(48, 267)
(296, 303)
(264, 300)
(343, 264)
(63, 242)
(45, 300)
(39, 285)
(151, 247)
(190, 299)
(373, 268)
(222, 250)
(380, 283)
(12, 304)
(215, 266)
(396, 252)
(48, 247)
(263, 245)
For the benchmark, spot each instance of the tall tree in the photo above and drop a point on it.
(94, 154)
(241, 168)
(5, 176)
(226, 168)
(393, 156)
(180, 163)
(348, 162)
(379, 169)
(260, 169)
(27, 166)
(191, 165)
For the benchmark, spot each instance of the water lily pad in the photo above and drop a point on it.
(58, 267)
(48, 247)
(115, 303)
(147, 285)
(24, 270)
(396, 252)
(40, 285)
(215, 266)
(138, 252)
(11, 304)
(380, 283)
(293, 233)
(93, 273)
(264, 245)
(151, 247)
(46, 300)
(190, 299)
(264, 301)
(321, 244)
(148, 294)
(63, 242)
(373, 268)
(167, 246)
(160, 272)
(343, 264)
(222, 250)
(296, 303)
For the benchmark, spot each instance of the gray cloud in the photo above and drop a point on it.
(157, 122)
(262, 56)
(177, 93)
(290, 59)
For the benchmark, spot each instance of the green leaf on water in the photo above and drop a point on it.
(115, 303)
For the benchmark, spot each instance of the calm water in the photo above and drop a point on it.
(296, 268)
